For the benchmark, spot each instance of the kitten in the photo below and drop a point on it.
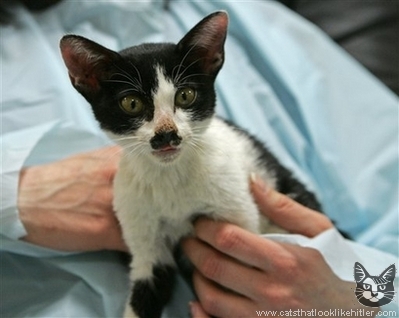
(180, 161)
(374, 291)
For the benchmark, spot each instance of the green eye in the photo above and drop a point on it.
(131, 105)
(185, 97)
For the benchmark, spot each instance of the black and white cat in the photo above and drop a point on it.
(374, 291)
(180, 161)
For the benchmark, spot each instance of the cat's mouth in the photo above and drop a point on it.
(374, 297)
(167, 153)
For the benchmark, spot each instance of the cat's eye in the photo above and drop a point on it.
(132, 105)
(185, 97)
(382, 287)
(366, 286)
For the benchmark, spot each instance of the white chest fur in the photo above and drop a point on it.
(155, 202)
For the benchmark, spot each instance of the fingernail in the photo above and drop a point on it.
(258, 182)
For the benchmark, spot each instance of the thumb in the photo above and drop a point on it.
(287, 213)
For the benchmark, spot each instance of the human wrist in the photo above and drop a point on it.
(31, 197)
(28, 177)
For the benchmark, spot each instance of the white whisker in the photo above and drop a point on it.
(177, 76)
(128, 75)
(138, 74)
(178, 79)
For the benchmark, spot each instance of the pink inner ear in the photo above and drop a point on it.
(208, 38)
(81, 64)
(214, 32)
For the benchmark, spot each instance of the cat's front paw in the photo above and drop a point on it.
(129, 313)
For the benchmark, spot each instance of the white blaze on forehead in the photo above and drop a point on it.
(164, 94)
(164, 100)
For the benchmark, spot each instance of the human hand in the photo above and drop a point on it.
(239, 273)
(67, 205)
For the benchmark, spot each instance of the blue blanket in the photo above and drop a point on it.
(318, 110)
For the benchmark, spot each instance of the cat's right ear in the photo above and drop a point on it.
(359, 272)
(88, 63)
(204, 43)
(389, 273)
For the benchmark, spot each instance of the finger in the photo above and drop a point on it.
(197, 311)
(220, 302)
(238, 243)
(287, 213)
(222, 269)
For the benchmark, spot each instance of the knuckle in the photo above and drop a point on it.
(227, 238)
(107, 174)
(312, 254)
(263, 291)
(280, 296)
(105, 197)
(273, 294)
(289, 265)
(101, 225)
(283, 203)
(211, 266)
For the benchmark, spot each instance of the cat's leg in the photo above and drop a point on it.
(244, 213)
(129, 312)
(152, 277)
(150, 295)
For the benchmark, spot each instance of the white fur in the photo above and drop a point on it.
(155, 200)
(373, 294)
(213, 180)
(129, 312)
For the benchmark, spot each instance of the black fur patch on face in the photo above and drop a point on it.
(180, 71)
(105, 77)
(136, 73)
(150, 296)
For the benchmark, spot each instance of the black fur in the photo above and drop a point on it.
(150, 296)
(286, 182)
(142, 60)
(115, 73)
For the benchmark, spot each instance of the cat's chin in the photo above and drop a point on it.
(166, 156)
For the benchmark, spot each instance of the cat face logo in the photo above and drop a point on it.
(374, 291)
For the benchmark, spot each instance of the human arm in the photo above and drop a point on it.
(261, 274)
(67, 205)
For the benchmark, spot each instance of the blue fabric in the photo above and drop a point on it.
(323, 115)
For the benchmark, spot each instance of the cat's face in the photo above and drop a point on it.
(153, 99)
(374, 291)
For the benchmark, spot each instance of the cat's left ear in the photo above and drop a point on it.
(88, 63)
(359, 272)
(389, 273)
(204, 43)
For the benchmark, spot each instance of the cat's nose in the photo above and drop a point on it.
(164, 139)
